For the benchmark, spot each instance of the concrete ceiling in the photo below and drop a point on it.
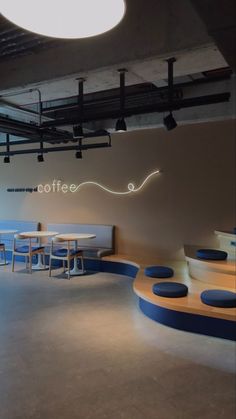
(144, 38)
(153, 69)
(141, 43)
(220, 20)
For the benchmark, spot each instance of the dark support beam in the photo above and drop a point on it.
(95, 134)
(54, 149)
(171, 62)
(122, 72)
(25, 130)
(139, 110)
(81, 98)
(8, 143)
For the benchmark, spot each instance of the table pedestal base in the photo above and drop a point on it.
(39, 266)
(76, 272)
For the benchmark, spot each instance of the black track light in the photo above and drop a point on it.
(121, 125)
(78, 154)
(170, 122)
(40, 158)
(78, 131)
(6, 159)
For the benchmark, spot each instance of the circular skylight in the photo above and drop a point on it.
(64, 18)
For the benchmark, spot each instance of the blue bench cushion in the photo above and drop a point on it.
(219, 298)
(170, 289)
(211, 254)
(159, 272)
(64, 252)
(25, 249)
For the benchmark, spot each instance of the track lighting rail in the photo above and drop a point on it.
(55, 149)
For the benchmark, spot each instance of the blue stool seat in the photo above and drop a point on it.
(219, 298)
(26, 249)
(159, 272)
(64, 252)
(211, 254)
(170, 289)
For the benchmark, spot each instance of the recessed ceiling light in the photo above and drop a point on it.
(65, 18)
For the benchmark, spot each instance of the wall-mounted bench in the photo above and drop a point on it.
(102, 245)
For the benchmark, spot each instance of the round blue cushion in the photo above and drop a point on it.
(170, 289)
(159, 272)
(219, 298)
(211, 254)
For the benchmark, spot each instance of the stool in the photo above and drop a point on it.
(211, 254)
(219, 298)
(159, 272)
(170, 289)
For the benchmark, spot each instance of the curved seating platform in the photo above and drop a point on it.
(218, 272)
(187, 313)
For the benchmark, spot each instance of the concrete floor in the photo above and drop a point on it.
(83, 350)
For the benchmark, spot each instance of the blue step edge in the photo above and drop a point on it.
(189, 322)
(96, 265)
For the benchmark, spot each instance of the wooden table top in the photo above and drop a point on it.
(8, 231)
(37, 234)
(75, 236)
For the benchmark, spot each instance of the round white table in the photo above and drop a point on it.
(6, 232)
(76, 237)
(38, 235)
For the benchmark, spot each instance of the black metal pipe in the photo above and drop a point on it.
(122, 72)
(25, 130)
(81, 98)
(54, 149)
(8, 142)
(96, 134)
(170, 62)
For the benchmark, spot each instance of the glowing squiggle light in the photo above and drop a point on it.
(58, 186)
(131, 186)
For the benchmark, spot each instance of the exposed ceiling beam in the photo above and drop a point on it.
(25, 130)
(108, 113)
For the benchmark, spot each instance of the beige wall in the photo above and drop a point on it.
(194, 195)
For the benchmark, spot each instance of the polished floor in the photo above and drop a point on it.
(81, 349)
